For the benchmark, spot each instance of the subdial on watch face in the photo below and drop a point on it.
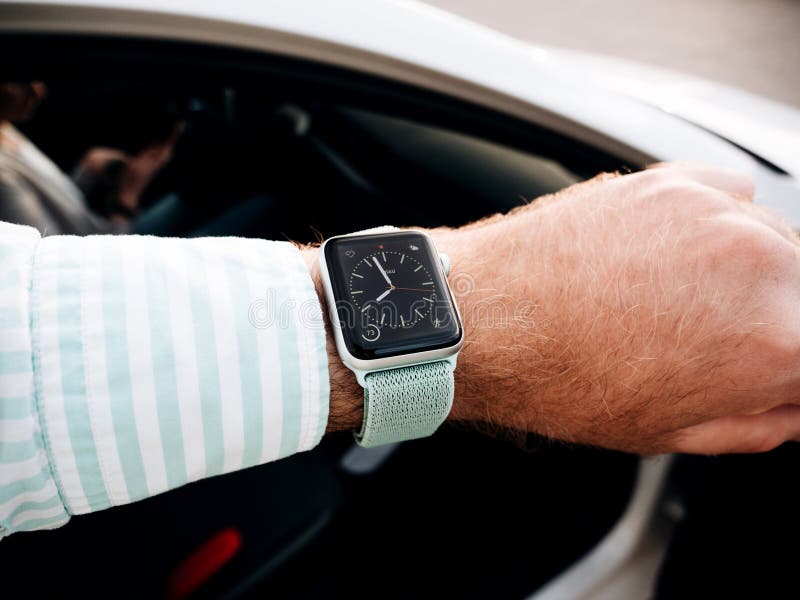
(392, 289)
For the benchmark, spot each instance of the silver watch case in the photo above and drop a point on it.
(361, 366)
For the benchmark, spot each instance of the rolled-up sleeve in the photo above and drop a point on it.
(131, 365)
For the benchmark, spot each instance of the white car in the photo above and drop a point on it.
(351, 113)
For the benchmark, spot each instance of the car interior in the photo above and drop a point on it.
(461, 514)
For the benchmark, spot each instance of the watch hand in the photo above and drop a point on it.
(380, 268)
(413, 289)
(383, 295)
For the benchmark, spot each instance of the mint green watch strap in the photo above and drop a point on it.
(405, 403)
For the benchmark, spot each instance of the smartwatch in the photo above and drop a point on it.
(396, 326)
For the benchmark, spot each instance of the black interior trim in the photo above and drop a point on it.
(49, 57)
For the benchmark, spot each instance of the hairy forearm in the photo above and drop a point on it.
(537, 354)
(650, 312)
(485, 379)
(499, 268)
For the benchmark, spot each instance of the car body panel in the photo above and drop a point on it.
(765, 127)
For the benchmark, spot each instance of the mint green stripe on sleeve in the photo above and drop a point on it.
(27, 491)
(47, 523)
(52, 502)
(118, 370)
(290, 368)
(34, 483)
(17, 451)
(249, 368)
(73, 377)
(20, 407)
(15, 362)
(206, 351)
(166, 384)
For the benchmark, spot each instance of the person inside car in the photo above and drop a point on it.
(34, 191)
(651, 312)
(104, 194)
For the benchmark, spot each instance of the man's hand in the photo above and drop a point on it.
(135, 173)
(650, 312)
(141, 168)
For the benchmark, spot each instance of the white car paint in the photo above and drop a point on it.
(765, 127)
(424, 46)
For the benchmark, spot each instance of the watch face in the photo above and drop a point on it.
(391, 295)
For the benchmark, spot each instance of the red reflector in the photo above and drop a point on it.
(199, 566)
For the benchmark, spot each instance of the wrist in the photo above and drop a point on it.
(505, 319)
(489, 319)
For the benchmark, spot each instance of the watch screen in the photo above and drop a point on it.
(391, 296)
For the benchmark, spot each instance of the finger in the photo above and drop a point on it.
(156, 153)
(742, 433)
(169, 142)
(164, 146)
(737, 184)
(176, 133)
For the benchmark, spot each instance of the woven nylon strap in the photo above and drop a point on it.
(405, 403)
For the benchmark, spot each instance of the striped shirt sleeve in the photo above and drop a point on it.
(132, 365)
